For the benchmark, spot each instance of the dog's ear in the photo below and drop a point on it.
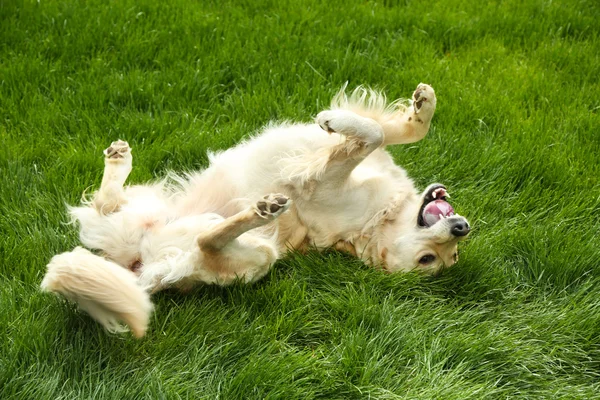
(383, 254)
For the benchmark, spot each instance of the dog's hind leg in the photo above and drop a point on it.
(229, 252)
(117, 166)
(412, 124)
(263, 212)
(225, 251)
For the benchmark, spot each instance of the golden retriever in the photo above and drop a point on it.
(293, 186)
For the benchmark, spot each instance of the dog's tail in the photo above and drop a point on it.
(106, 291)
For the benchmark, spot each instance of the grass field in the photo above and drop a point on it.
(516, 138)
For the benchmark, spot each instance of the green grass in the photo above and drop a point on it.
(516, 138)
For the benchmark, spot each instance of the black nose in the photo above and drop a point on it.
(460, 228)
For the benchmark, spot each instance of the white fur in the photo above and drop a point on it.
(108, 292)
(216, 226)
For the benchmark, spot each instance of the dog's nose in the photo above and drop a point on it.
(460, 228)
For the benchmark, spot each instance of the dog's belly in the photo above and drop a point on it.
(175, 237)
(239, 176)
(280, 160)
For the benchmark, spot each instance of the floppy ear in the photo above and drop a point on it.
(383, 254)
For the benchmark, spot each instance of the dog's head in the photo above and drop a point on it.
(430, 244)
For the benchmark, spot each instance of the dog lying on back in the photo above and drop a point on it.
(294, 186)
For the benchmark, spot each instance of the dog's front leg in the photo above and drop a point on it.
(117, 166)
(412, 125)
(362, 137)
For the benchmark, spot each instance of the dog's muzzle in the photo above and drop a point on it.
(435, 208)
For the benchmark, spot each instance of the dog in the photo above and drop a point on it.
(329, 184)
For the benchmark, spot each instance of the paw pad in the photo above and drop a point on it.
(117, 149)
(272, 205)
(423, 94)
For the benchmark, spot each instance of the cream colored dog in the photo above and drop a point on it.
(329, 184)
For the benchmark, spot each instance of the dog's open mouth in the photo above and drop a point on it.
(435, 206)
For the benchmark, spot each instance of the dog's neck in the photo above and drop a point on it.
(378, 235)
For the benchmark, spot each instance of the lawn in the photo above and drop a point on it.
(516, 138)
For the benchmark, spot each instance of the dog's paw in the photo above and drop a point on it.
(338, 121)
(118, 150)
(272, 205)
(424, 100)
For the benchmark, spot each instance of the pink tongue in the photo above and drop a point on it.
(435, 210)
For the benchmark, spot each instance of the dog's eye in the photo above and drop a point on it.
(427, 259)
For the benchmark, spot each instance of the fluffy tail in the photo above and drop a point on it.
(106, 291)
